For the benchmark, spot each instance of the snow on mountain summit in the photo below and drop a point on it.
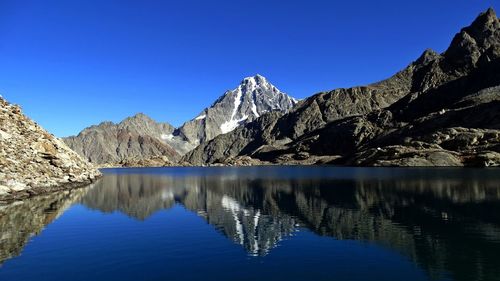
(254, 96)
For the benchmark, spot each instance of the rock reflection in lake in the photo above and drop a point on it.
(140, 195)
(21, 220)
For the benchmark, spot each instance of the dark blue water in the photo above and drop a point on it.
(266, 223)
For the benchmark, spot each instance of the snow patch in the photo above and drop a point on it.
(254, 109)
(230, 204)
(200, 117)
(256, 218)
(230, 125)
(237, 102)
(167, 137)
(252, 84)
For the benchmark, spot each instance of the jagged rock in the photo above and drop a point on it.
(441, 110)
(32, 161)
(254, 97)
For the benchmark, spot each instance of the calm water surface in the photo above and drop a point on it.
(266, 223)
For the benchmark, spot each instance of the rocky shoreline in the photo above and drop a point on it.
(38, 191)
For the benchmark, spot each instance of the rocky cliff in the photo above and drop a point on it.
(32, 161)
(135, 141)
(441, 110)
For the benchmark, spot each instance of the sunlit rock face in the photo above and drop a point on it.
(33, 161)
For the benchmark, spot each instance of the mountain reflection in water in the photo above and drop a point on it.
(444, 220)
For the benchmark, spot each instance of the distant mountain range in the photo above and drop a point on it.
(141, 141)
(441, 110)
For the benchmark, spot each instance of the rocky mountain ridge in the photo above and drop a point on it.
(134, 140)
(441, 110)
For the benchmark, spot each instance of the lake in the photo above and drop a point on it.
(260, 223)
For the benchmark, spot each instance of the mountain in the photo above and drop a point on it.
(441, 110)
(32, 161)
(252, 98)
(141, 141)
(135, 141)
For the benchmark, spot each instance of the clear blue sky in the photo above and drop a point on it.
(72, 63)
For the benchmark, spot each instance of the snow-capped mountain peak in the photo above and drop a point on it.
(254, 96)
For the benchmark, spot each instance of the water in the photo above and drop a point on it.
(262, 223)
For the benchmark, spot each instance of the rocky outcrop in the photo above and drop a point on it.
(32, 161)
(442, 110)
(135, 141)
